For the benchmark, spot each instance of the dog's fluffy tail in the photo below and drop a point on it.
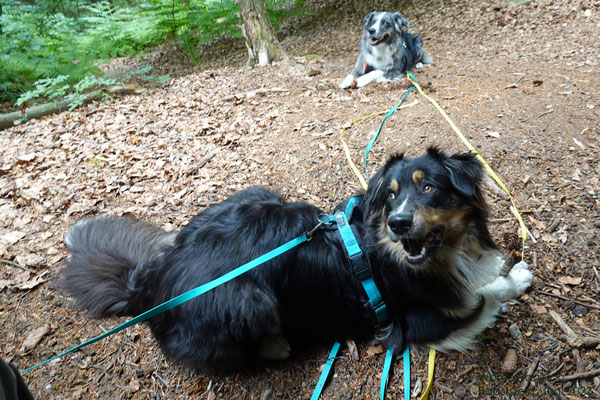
(105, 250)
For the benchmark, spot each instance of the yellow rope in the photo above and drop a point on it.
(361, 178)
(487, 167)
(430, 371)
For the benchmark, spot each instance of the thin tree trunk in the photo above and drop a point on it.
(263, 46)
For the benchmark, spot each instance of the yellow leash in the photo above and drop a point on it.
(487, 167)
(361, 179)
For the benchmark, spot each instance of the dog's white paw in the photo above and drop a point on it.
(274, 347)
(347, 82)
(521, 277)
(419, 65)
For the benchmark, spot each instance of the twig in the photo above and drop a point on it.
(569, 299)
(14, 264)
(581, 375)
(545, 113)
(529, 374)
(554, 391)
(571, 335)
(465, 372)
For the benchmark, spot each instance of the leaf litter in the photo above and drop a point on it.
(524, 92)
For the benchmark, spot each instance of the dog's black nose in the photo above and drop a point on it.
(371, 31)
(400, 224)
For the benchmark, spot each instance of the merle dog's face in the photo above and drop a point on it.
(419, 205)
(382, 27)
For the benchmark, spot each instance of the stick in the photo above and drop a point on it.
(582, 375)
(569, 299)
(572, 337)
(554, 391)
(529, 374)
(14, 264)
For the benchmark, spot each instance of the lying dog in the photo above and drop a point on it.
(422, 224)
(387, 51)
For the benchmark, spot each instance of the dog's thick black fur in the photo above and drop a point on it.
(414, 217)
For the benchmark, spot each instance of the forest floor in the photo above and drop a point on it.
(521, 81)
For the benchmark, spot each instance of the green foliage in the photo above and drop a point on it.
(59, 88)
(59, 42)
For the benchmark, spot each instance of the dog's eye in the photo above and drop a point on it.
(428, 188)
(391, 196)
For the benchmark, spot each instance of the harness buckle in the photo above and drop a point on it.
(323, 219)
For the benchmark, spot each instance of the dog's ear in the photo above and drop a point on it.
(465, 172)
(375, 198)
(400, 21)
(369, 19)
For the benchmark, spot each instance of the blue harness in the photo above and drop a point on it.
(360, 261)
(362, 269)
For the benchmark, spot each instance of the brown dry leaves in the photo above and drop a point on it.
(169, 153)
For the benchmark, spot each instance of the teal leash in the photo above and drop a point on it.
(387, 366)
(187, 296)
(326, 370)
(374, 138)
(406, 358)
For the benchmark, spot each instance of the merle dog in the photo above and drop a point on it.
(387, 51)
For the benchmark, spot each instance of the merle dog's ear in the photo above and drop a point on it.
(400, 21)
(375, 197)
(465, 172)
(369, 19)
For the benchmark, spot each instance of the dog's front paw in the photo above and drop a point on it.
(419, 65)
(347, 82)
(521, 276)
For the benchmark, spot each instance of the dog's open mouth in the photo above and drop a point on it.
(376, 40)
(418, 250)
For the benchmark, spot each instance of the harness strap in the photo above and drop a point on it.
(360, 263)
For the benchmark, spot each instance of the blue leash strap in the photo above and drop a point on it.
(406, 358)
(182, 298)
(326, 370)
(387, 366)
(374, 138)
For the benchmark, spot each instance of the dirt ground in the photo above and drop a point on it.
(521, 81)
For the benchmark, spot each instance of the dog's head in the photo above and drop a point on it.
(383, 27)
(415, 206)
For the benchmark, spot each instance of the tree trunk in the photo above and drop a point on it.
(263, 46)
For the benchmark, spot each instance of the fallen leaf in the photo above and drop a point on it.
(34, 338)
(570, 280)
(538, 309)
(537, 224)
(374, 350)
(33, 282)
(12, 237)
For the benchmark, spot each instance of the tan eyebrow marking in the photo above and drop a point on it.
(394, 185)
(418, 175)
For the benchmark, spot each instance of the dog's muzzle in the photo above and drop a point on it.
(417, 247)
(375, 40)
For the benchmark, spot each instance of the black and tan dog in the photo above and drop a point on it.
(387, 50)
(422, 223)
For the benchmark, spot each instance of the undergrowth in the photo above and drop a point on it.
(51, 49)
